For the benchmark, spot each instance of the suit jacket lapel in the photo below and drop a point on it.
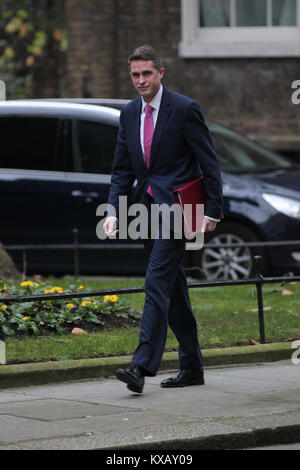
(137, 128)
(162, 119)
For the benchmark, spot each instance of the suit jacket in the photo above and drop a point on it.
(181, 151)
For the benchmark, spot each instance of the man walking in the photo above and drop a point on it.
(163, 143)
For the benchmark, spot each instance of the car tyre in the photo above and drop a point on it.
(230, 263)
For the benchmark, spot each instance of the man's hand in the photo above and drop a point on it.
(110, 226)
(208, 225)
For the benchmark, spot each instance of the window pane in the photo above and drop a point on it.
(96, 144)
(29, 143)
(284, 13)
(239, 155)
(251, 13)
(214, 13)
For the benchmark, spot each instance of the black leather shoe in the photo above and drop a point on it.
(184, 378)
(133, 377)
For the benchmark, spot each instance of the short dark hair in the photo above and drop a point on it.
(146, 52)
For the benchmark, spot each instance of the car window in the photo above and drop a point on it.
(29, 143)
(238, 154)
(96, 144)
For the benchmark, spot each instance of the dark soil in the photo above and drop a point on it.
(108, 322)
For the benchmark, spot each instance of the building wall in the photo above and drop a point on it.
(252, 96)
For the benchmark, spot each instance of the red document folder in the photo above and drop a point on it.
(191, 200)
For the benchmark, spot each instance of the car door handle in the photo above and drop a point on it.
(78, 193)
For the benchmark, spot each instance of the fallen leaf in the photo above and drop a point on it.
(252, 341)
(287, 292)
(293, 283)
(30, 60)
(78, 331)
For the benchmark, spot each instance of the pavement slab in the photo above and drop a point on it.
(238, 407)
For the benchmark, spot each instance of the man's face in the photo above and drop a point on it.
(146, 78)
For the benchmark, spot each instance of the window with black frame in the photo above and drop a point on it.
(30, 143)
(96, 144)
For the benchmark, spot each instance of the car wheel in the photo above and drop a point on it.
(230, 263)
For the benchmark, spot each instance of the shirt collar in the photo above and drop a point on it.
(155, 102)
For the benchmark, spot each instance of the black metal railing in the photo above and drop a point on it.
(76, 247)
(259, 280)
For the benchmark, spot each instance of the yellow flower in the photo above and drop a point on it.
(84, 303)
(80, 287)
(29, 284)
(25, 318)
(112, 298)
(70, 305)
(56, 289)
(59, 290)
(4, 306)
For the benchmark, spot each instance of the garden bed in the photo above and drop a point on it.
(79, 315)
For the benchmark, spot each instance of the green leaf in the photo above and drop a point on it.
(59, 329)
(7, 331)
(13, 25)
(34, 328)
(22, 14)
(40, 40)
(92, 318)
(7, 14)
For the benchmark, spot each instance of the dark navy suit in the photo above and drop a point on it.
(181, 151)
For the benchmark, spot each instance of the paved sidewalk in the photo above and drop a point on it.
(239, 407)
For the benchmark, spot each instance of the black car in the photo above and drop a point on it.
(55, 168)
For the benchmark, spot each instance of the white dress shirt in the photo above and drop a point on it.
(155, 103)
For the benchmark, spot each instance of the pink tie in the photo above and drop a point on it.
(148, 134)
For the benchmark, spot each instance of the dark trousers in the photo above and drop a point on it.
(166, 302)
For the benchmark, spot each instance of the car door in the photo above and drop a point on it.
(86, 187)
(31, 183)
(31, 189)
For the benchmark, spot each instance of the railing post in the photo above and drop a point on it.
(24, 271)
(259, 284)
(76, 252)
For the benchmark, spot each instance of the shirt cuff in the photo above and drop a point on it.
(211, 218)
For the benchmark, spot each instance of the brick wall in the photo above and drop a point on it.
(90, 35)
(250, 95)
